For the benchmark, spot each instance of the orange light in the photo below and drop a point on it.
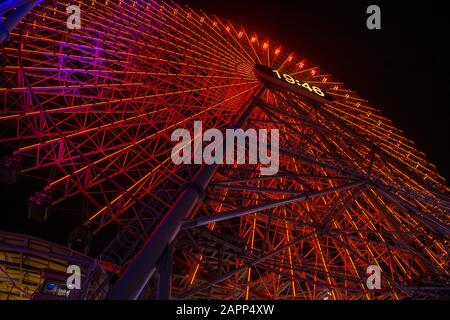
(313, 72)
(240, 34)
(290, 58)
(253, 39)
(265, 45)
(227, 28)
(324, 80)
(277, 51)
(301, 65)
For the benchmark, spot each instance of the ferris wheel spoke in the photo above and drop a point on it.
(79, 171)
(225, 45)
(177, 31)
(88, 106)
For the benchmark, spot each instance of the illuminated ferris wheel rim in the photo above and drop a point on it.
(92, 110)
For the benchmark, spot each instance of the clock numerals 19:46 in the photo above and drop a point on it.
(291, 80)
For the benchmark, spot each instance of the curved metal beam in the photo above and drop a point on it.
(15, 11)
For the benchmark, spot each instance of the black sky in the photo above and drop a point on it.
(402, 69)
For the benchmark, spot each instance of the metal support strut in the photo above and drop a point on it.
(142, 267)
(164, 267)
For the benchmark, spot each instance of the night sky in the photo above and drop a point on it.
(402, 69)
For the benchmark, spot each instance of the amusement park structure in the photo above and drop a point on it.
(88, 115)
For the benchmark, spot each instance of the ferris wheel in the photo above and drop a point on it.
(89, 113)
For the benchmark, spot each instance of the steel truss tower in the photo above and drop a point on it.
(90, 113)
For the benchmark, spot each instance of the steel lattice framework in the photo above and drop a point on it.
(90, 112)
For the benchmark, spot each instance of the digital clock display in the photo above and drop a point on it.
(289, 82)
